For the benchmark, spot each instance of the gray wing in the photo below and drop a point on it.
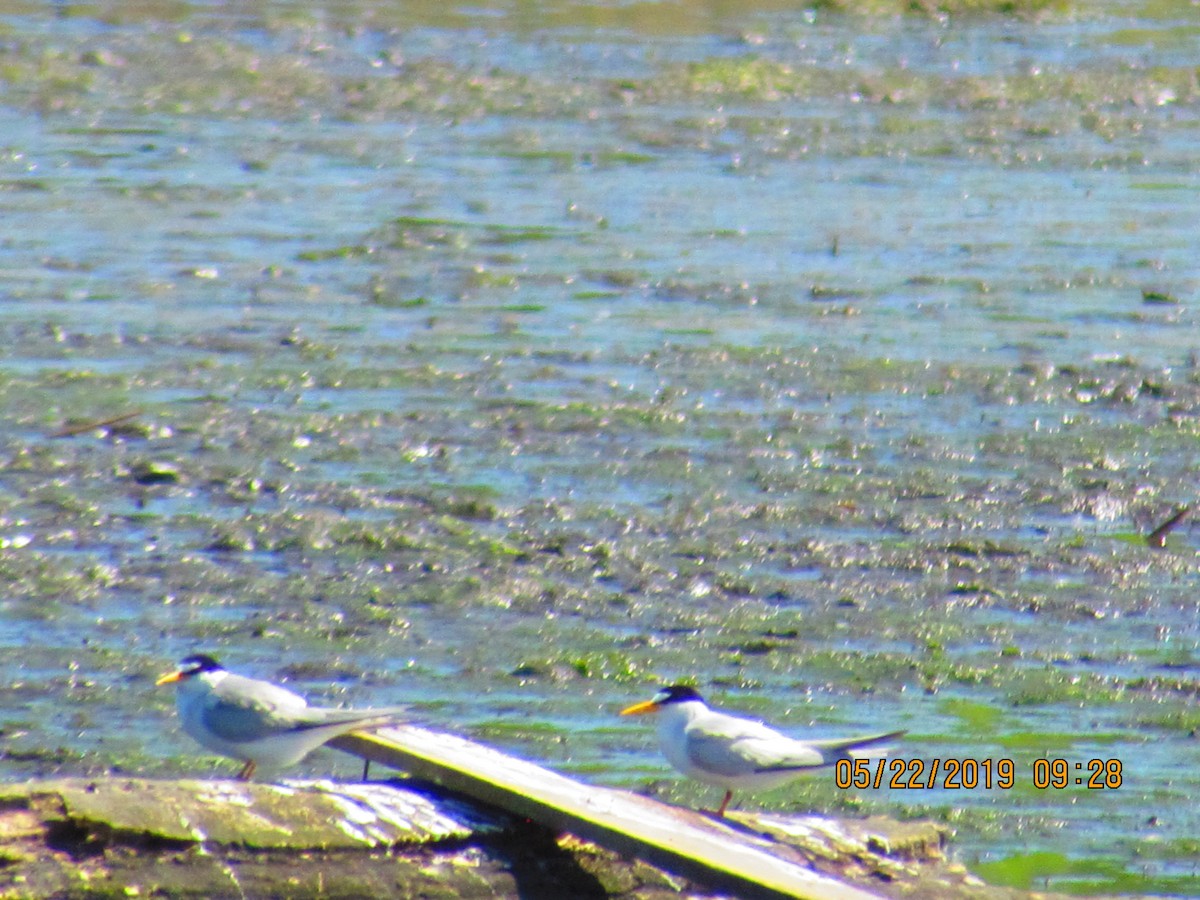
(245, 709)
(740, 747)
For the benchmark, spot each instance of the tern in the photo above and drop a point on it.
(256, 721)
(730, 752)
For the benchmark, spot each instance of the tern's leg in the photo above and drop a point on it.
(247, 770)
(724, 803)
(366, 769)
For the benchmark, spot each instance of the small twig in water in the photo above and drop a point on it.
(72, 430)
(1158, 537)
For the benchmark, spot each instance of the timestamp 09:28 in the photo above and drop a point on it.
(968, 774)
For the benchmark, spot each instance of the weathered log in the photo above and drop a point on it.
(226, 839)
(469, 821)
(300, 839)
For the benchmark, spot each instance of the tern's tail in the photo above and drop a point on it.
(875, 746)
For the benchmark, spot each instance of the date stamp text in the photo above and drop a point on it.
(968, 774)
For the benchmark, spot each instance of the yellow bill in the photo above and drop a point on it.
(646, 706)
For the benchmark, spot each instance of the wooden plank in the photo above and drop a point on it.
(678, 840)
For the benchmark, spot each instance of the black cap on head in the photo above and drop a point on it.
(197, 663)
(677, 693)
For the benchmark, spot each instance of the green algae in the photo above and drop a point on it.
(935, 8)
(253, 81)
(603, 665)
(1081, 877)
(386, 441)
(982, 718)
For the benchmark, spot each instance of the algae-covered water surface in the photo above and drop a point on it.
(510, 359)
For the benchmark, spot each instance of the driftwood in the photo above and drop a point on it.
(228, 839)
(473, 823)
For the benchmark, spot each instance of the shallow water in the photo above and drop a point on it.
(508, 360)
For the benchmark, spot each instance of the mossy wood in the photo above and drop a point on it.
(686, 842)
